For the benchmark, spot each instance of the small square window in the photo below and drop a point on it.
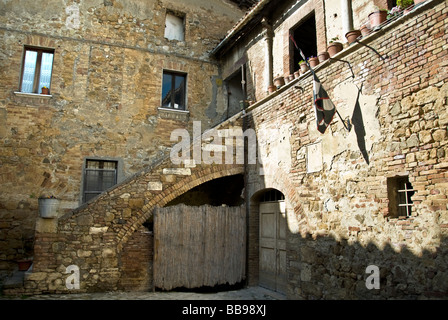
(36, 70)
(174, 27)
(174, 90)
(400, 192)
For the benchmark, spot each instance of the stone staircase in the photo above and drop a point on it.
(96, 235)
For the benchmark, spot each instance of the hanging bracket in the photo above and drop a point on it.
(374, 50)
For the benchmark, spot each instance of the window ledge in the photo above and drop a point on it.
(173, 114)
(33, 95)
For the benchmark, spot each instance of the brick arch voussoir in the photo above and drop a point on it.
(283, 183)
(174, 190)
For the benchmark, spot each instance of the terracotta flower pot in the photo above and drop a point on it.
(297, 74)
(365, 30)
(279, 81)
(271, 89)
(352, 35)
(323, 56)
(418, 1)
(376, 18)
(334, 48)
(291, 77)
(24, 265)
(45, 91)
(314, 61)
(304, 67)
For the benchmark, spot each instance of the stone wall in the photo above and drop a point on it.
(107, 238)
(105, 93)
(335, 184)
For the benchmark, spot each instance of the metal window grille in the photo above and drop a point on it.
(98, 177)
(272, 195)
(405, 203)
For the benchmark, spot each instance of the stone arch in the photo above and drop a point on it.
(204, 174)
(281, 182)
(296, 219)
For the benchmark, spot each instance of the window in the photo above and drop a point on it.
(305, 36)
(174, 90)
(37, 68)
(400, 194)
(99, 176)
(236, 91)
(272, 195)
(174, 26)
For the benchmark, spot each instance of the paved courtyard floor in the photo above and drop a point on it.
(249, 293)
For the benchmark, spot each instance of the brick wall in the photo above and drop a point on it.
(137, 262)
(339, 221)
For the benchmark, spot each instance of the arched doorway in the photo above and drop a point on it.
(272, 243)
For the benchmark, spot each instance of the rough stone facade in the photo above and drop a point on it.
(105, 95)
(336, 185)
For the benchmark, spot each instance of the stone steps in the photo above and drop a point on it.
(15, 283)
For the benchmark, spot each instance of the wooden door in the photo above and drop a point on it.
(199, 246)
(273, 245)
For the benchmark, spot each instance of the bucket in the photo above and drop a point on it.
(48, 208)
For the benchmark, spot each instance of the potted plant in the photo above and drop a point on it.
(395, 12)
(313, 61)
(365, 30)
(45, 90)
(27, 248)
(291, 77)
(303, 66)
(352, 35)
(377, 17)
(297, 74)
(403, 5)
(279, 82)
(323, 56)
(334, 47)
(48, 207)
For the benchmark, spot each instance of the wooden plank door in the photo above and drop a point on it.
(199, 246)
(273, 245)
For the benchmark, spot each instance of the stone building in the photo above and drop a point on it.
(111, 65)
(356, 212)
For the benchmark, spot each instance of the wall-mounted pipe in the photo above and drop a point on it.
(347, 16)
(269, 37)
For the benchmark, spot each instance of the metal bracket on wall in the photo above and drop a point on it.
(373, 49)
(349, 65)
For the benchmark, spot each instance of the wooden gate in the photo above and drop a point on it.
(199, 246)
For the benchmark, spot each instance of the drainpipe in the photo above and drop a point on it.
(269, 35)
(347, 17)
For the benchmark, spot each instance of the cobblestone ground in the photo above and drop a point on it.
(250, 293)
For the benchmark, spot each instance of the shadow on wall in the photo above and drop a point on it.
(359, 128)
(341, 262)
(330, 269)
